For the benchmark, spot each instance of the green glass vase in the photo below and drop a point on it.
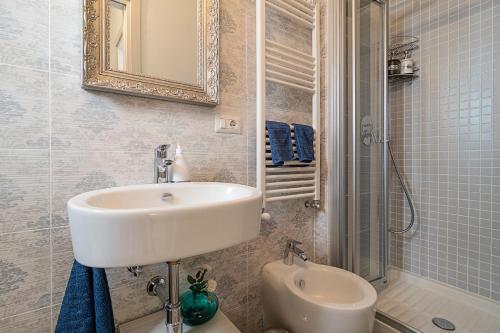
(198, 308)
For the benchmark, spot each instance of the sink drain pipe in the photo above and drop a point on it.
(171, 304)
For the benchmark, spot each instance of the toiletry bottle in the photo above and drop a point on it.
(393, 66)
(407, 64)
(180, 171)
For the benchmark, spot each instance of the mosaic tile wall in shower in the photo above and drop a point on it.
(445, 131)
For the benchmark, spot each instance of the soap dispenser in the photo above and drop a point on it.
(180, 170)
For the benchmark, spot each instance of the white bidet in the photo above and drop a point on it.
(310, 298)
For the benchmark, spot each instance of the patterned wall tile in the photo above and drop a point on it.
(55, 316)
(75, 172)
(131, 302)
(255, 323)
(62, 262)
(321, 238)
(24, 190)
(102, 139)
(66, 36)
(232, 50)
(289, 103)
(34, 322)
(219, 167)
(285, 30)
(99, 121)
(238, 316)
(24, 272)
(232, 71)
(24, 33)
(123, 285)
(231, 282)
(251, 141)
(289, 219)
(25, 108)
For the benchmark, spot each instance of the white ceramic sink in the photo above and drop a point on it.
(153, 223)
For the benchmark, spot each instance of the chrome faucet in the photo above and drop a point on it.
(162, 164)
(291, 251)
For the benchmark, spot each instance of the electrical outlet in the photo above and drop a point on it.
(228, 124)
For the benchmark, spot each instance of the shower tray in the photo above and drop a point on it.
(414, 301)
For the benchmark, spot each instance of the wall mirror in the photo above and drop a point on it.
(166, 49)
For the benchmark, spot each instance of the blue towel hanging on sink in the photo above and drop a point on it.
(280, 140)
(304, 140)
(86, 306)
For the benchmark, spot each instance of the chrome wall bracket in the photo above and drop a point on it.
(135, 270)
(312, 204)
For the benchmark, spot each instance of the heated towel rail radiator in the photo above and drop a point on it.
(284, 65)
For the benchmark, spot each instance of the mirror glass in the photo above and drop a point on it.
(155, 38)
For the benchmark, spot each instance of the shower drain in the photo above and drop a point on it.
(443, 324)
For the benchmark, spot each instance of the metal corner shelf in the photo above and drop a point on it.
(402, 77)
(402, 44)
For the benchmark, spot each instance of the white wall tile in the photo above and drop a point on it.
(444, 138)
(24, 114)
(24, 33)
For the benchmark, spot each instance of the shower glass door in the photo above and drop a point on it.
(365, 130)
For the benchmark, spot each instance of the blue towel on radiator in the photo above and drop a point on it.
(304, 140)
(280, 140)
(86, 307)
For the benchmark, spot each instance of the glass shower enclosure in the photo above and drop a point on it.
(361, 132)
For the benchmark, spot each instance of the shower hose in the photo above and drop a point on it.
(407, 195)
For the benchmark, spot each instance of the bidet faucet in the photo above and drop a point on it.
(162, 164)
(291, 251)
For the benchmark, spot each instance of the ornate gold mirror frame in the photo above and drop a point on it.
(98, 75)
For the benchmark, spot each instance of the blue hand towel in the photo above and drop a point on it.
(86, 307)
(280, 140)
(304, 140)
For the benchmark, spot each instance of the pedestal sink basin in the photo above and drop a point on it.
(146, 224)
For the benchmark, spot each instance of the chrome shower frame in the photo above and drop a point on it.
(387, 170)
(335, 65)
(343, 246)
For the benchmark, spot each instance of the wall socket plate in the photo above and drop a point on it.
(228, 124)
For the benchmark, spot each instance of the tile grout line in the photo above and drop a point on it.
(27, 68)
(468, 101)
(491, 147)
(448, 144)
(52, 328)
(247, 308)
(459, 155)
(478, 273)
(39, 70)
(25, 313)
(439, 110)
(23, 231)
(459, 67)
